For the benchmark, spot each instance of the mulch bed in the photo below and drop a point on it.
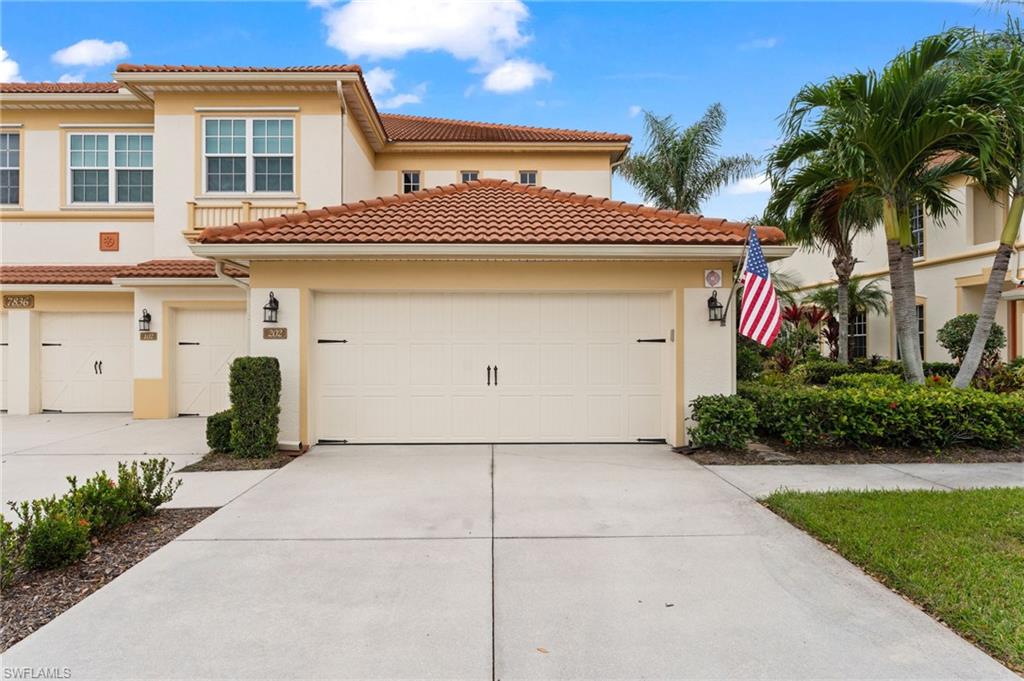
(35, 598)
(216, 461)
(761, 454)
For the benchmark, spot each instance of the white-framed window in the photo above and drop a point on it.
(469, 175)
(411, 181)
(920, 332)
(10, 168)
(110, 168)
(917, 229)
(248, 155)
(858, 334)
(528, 177)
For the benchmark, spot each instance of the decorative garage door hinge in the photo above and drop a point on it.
(51, 345)
(332, 442)
(650, 340)
(330, 340)
(652, 440)
(188, 342)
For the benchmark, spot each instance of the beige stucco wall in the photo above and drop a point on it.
(699, 347)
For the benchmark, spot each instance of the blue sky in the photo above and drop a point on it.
(588, 65)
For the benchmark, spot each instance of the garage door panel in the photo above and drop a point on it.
(644, 364)
(556, 364)
(470, 362)
(605, 418)
(429, 364)
(644, 414)
(381, 364)
(644, 317)
(518, 364)
(606, 314)
(474, 316)
(85, 361)
(380, 416)
(558, 417)
(604, 364)
(430, 416)
(207, 343)
(385, 313)
(3, 361)
(430, 315)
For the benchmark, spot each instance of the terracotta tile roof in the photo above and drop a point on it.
(403, 128)
(62, 88)
(489, 212)
(58, 274)
(183, 68)
(176, 268)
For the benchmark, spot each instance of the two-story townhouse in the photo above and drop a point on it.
(160, 225)
(952, 265)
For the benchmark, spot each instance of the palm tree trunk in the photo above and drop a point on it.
(993, 292)
(904, 293)
(843, 265)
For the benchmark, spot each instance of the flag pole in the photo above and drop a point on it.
(736, 275)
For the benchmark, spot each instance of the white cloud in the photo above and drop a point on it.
(9, 71)
(379, 80)
(749, 185)
(760, 44)
(515, 75)
(90, 52)
(71, 78)
(635, 110)
(415, 96)
(481, 31)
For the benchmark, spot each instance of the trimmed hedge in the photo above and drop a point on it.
(905, 416)
(866, 381)
(725, 421)
(944, 369)
(256, 405)
(218, 431)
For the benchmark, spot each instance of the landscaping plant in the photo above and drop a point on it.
(255, 404)
(723, 421)
(218, 431)
(955, 336)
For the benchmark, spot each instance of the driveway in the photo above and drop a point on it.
(504, 562)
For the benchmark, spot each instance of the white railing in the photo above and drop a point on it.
(203, 215)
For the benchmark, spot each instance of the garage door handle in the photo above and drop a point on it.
(495, 374)
(488, 374)
(96, 367)
(330, 340)
(101, 367)
(650, 340)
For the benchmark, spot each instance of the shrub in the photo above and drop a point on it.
(140, 488)
(904, 416)
(955, 336)
(865, 381)
(820, 372)
(749, 363)
(218, 431)
(255, 404)
(876, 365)
(725, 421)
(944, 369)
(55, 541)
(10, 552)
(1004, 379)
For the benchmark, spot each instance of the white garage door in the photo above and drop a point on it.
(86, 361)
(207, 342)
(3, 361)
(491, 367)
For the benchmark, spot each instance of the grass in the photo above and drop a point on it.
(959, 555)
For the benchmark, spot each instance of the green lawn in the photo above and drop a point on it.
(960, 555)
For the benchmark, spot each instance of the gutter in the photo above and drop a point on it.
(341, 156)
(218, 269)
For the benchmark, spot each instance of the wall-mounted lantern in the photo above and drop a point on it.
(144, 320)
(270, 310)
(715, 309)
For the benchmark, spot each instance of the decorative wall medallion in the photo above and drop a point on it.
(147, 335)
(19, 302)
(110, 241)
(712, 278)
(275, 333)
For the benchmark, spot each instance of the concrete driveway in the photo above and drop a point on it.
(504, 562)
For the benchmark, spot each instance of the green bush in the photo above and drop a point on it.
(255, 402)
(725, 421)
(821, 371)
(944, 369)
(1004, 379)
(955, 336)
(749, 363)
(876, 365)
(9, 552)
(218, 431)
(904, 416)
(865, 381)
(55, 541)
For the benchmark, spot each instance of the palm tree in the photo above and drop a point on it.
(863, 295)
(999, 56)
(898, 137)
(680, 168)
(823, 216)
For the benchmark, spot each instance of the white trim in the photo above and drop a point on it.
(243, 109)
(129, 282)
(571, 251)
(111, 169)
(250, 157)
(59, 287)
(142, 126)
(11, 125)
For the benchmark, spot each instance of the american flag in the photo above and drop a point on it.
(760, 316)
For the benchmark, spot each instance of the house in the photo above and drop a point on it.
(952, 266)
(159, 225)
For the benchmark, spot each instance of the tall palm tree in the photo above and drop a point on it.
(863, 295)
(824, 216)
(999, 56)
(680, 168)
(899, 137)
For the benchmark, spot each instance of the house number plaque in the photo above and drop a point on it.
(275, 333)
(147, 335)
(24, 302)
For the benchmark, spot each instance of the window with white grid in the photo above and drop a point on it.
(10, 168)
(110, 168)
(249, 155)
(527, 177)
(411, 181)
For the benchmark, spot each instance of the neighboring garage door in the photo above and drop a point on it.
(207, 342)
(491, 367)
(85, 361)
(3, 361)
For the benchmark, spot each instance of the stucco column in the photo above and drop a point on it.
(287, 351)
(709, 349)
(22, 362)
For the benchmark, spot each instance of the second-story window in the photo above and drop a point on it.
(527, 177)
(249, 155)
(10, 168)
(917, 229)
(469, 175)
(100, 161)
(410, 181)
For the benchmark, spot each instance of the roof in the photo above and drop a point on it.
(184, 68)
(489, 212)
(102, 274)
(62, 88)
(404, 128)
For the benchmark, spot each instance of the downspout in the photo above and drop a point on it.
(341, 158)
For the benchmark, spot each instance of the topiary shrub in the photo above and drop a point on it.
(725, 421)
(256, 404)
(55, 541)
(218, 431)
(955, 337)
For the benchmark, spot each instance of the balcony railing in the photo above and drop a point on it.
(202, 215)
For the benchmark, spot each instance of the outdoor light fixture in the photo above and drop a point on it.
(144, 320)
(714, 308)
(270, 310)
